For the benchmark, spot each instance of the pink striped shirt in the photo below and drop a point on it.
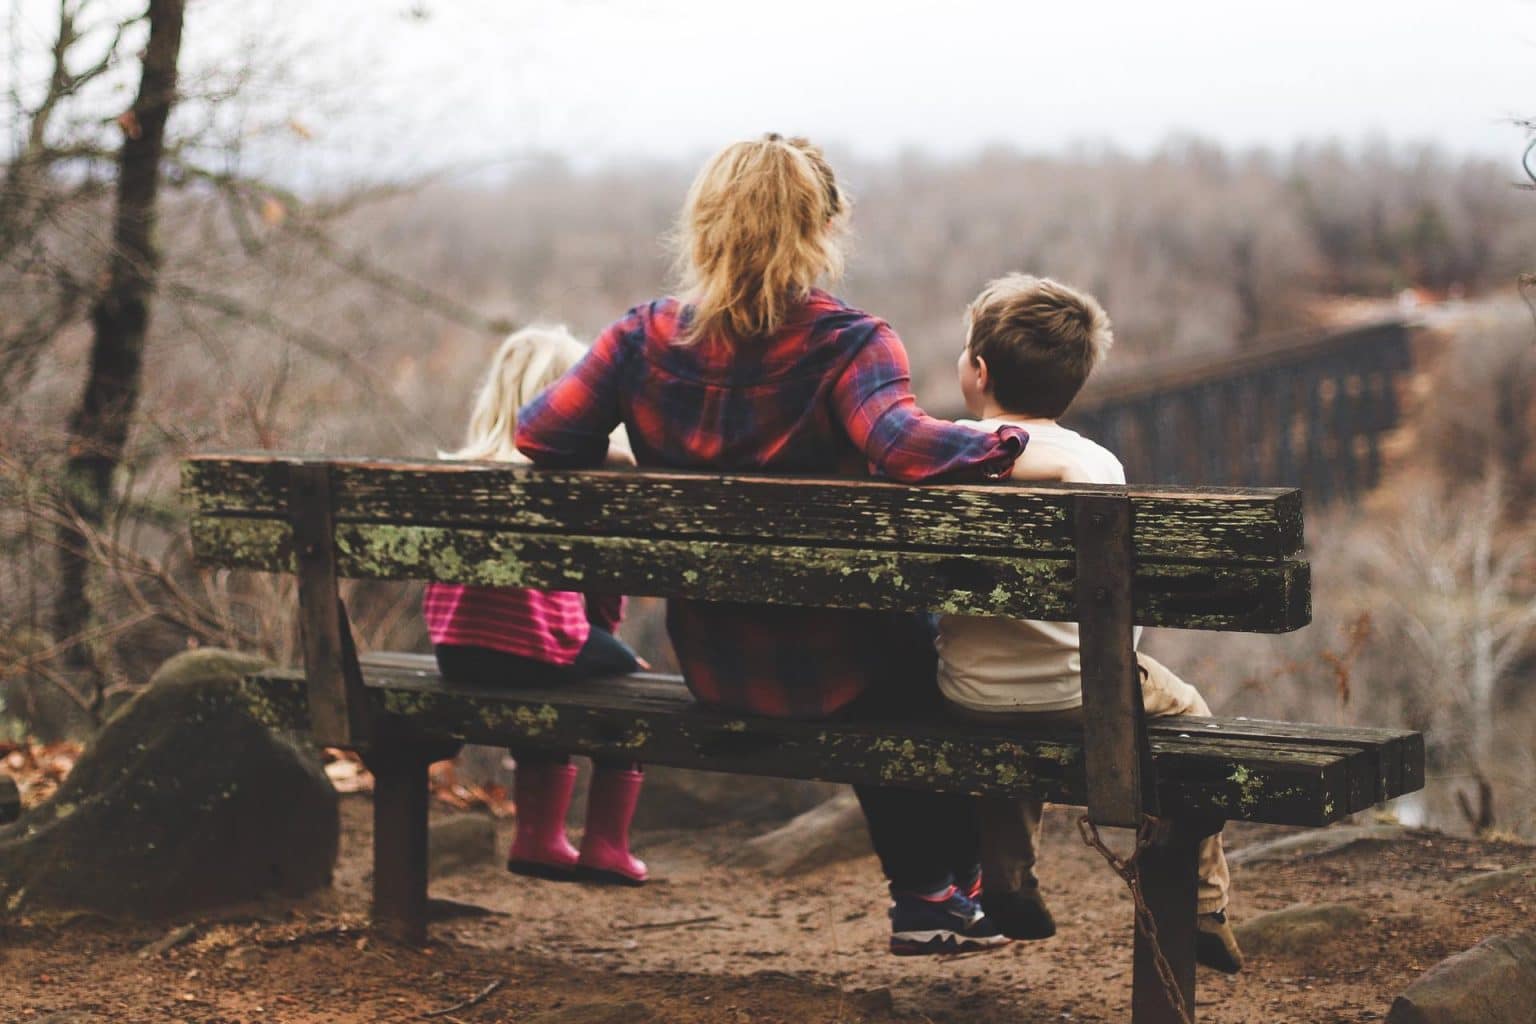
(545, 625)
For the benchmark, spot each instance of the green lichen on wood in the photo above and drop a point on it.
(1250, 788)
(1251, 596)
(637, 736)
(265, 544)
(413, 704)
(1060, 753)
(1207, 524)
(1268, 783)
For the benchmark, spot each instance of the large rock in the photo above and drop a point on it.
(1302, 931)
(828, 834)
(1508, 880)
(1494, 982)
(183, 801)
(1315, 843)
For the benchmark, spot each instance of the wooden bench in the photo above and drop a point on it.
(1107, 557)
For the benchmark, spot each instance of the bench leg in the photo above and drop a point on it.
(400, 838)
(1169, 875)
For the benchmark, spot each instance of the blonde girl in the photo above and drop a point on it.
(753, 367)
(507, 636)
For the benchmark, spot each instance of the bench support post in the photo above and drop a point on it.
(1116, 751)
(1169, 876)
(338, 709)
(400, 794)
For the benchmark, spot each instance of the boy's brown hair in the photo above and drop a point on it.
(1040, 339)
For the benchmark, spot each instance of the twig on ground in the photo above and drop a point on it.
(648, 925)
(171, 939)
(474, 1000)
(317, 933)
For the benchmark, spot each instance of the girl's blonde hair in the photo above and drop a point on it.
(763, 221)
(527, 363)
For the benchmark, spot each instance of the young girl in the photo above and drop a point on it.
(507, 636)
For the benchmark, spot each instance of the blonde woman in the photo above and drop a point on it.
(507, 636)
(756, 369)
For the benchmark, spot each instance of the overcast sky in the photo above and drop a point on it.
(434, 81)
(655, 77)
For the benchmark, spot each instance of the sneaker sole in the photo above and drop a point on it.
(941, 943)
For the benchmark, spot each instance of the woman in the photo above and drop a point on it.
(756, 369)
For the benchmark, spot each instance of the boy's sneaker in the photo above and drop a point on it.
(1020, 914)
(951, 923)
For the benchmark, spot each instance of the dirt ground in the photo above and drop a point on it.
(702, 943)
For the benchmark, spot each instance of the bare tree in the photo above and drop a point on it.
(99, 426)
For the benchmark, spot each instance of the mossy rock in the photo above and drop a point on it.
(1301, 931)
(1494, 982)
(829, 834)
(184, 801)
(1489, 882)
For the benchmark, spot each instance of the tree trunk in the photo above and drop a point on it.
(98, 429)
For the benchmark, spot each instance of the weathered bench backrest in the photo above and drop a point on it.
(1207, 558)
(1105, 557)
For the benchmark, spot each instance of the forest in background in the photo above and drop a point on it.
(356, 320)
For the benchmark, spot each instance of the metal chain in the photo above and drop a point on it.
(1126, 868)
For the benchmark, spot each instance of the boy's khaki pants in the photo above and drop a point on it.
(1010, 828)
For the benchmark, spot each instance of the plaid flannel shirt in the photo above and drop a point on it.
(829, 394)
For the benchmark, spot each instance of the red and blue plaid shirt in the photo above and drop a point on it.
(829, 394)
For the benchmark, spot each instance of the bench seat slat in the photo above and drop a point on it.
(1376, 778)
(653, 720)
(1248, 597)
(1399, 752)
(1192, 523)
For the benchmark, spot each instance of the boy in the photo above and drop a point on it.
(1031, 345)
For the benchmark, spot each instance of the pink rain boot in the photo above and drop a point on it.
(542, 792)
(605, 855)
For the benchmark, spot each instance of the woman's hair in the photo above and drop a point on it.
(763, 222)
(527, 363)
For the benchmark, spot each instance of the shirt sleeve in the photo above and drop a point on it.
(873, 399)
(605, 611)
(568, 425)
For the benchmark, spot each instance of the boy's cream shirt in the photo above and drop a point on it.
(993, 664)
